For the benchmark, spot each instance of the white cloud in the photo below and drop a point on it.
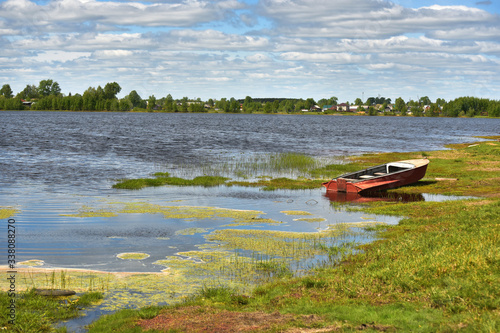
(59, 56)
(258, 58)
(112, 54)
(365, 18)
(206, 47)
(59, 15)
(337, 58)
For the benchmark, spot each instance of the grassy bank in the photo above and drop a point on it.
(438, 270)
(36, 313)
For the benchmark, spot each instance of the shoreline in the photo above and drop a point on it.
(39, 269)
(298, 113)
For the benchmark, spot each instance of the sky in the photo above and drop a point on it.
(260, 48)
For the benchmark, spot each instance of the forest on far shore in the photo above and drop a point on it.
(47, 96)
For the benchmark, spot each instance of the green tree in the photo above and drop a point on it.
(234, 105)
(198, 106)
(169, 104)
(358, 102)
(416, 110)
(433, 110)
(151, 102)
(494, 109)
(125, 104)
(184, 105)
(440, 102)
(135, 99)
(111, 90)
(6, 91)
(333, 100)
(268, 107)
(89, 99)
(221, 104)
(55, 89)
(13, 104)
(248, 105)
(425, 100)
(300, 105)
(76, 102)
(400, 105)
(276, 105)
(310, 103)
(29, 92)
(48, 87)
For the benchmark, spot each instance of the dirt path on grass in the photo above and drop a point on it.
(201, 319)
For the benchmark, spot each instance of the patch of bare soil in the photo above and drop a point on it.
(199, 319)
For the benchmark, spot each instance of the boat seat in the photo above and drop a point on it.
(380, 173)
(365, 176)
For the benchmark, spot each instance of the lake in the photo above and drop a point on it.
(57, 169)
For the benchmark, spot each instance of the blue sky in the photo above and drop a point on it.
(259, 48)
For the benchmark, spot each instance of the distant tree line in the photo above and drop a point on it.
(47, 96)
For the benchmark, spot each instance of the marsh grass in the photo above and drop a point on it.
(282, 170)
(164, 179)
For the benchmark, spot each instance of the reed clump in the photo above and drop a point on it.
(283, 170)
(164, 178)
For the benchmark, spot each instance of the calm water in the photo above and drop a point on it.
(56, 163)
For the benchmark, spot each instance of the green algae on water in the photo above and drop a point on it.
(223, 266)
(133, 255)
(86, 211)
(6, 212)
(191, 231)
(32, 262)
(311, 219)
(295, 212)
(238, 217)
(283, 244)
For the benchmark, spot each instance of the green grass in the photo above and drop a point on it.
(438, 270)
(164, 179)
(35, 313)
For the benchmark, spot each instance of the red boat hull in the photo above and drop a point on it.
(380, 182)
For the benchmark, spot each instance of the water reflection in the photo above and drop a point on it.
(388, 196)
(373, 196)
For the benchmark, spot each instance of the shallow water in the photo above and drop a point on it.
(93, 242)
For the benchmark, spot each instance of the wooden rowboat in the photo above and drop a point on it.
(380, 177)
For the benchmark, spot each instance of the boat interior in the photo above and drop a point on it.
(377, 171)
